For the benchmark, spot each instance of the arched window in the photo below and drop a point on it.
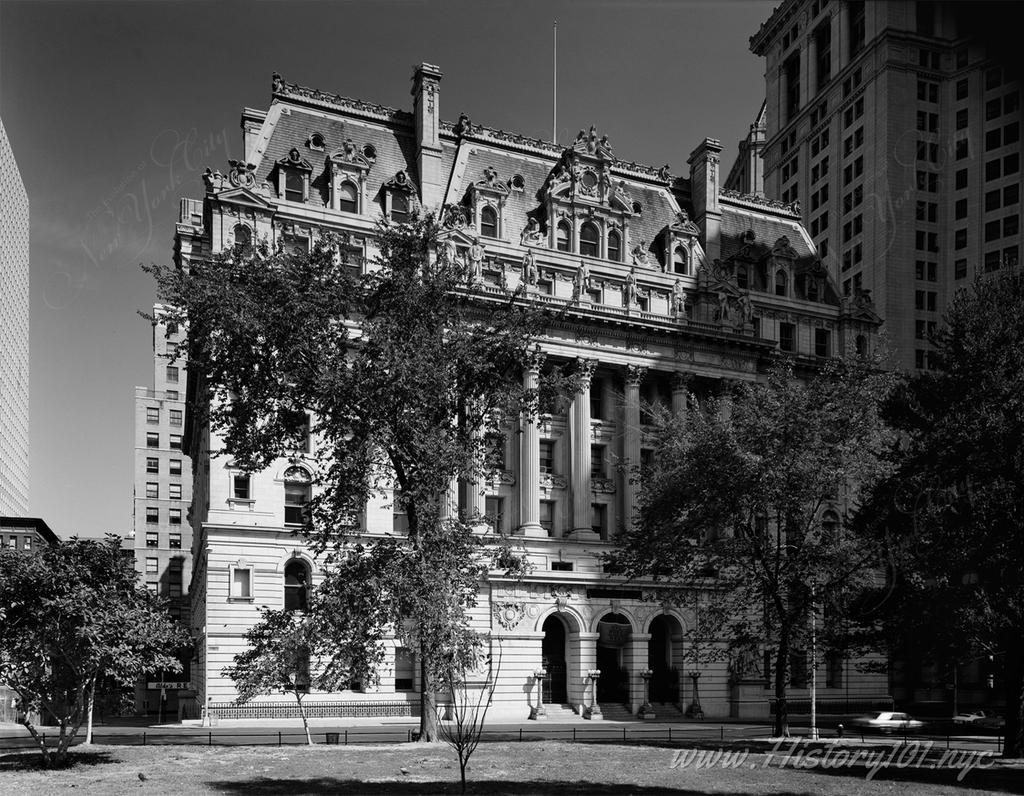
(780, 283)
(679, 261)
(589, 240)
(243, 239)
(488, 222)
(614, 246)
(297, 492)
(399, 207)
(563, 237)
(348, 198)
(741, 277)
(296, 586)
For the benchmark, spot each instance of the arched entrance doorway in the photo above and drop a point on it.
(554, 688)
(664, 658)
(614, 632)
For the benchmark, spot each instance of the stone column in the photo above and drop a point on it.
(474, 503)
(529, 458)
(579, 685)
(680, 394)
(726, 387)
(638, 643)
(580, 439)
(631, 445)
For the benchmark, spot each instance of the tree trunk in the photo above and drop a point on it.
(428, 705)
(302, 713)
(1013, 743)
(88, 715)
(47, 759)
(781, 721)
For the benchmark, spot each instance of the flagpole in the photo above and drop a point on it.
(554, 85)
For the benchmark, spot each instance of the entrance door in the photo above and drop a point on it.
(608, 685)
(554, 687)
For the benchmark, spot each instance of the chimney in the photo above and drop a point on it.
(426, 82)
(704, 182)
(252, 124)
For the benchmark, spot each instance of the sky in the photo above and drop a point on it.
(114, 109)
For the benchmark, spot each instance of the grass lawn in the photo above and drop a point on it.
(514, 768)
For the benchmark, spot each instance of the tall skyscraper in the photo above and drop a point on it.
(163, 491)
(14, 368)
(895, 126)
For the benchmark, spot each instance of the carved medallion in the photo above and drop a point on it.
(508, 615)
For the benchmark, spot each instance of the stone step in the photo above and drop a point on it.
(560, 712)
(616, 712)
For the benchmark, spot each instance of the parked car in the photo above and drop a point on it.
(974, 716)
(888, 722)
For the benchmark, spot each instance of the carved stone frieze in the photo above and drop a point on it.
(508, 614)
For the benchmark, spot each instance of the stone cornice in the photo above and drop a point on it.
(760, 203)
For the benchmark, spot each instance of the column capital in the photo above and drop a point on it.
(634, 374)
(681, 382)
(535, 359)
(584, 371)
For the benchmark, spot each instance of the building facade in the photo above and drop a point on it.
(162, 535)
(14, 330)
(897, 132)
(677, 291)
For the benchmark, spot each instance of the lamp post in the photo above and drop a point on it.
(594, 711)
(814, 670)
(539, 712)
(646, 710)
(695, 711)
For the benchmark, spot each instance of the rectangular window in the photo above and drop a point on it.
(962, 118)
(547, 516)
(927, 91)
(993, 109)
(561, 566)
(405, 669)
(152, 414)
(494, 452)
(992, 229)
(1011, 133)
(1011, 256)
(962, 149)
(993, 77)
(599, 518)
(152, 465)
(152, 439)
(597, 399)
(821, 343)
(1011, 226)
(175, 417)
(857, 30)
(961, 179)
(960, 209)
(1011, 164)
(961, 89)
(152, 538)
(791, 72)
(174, 539)
(597, 461)
(174, 516)
(152, 515)
(1011, 195)
(172, 374)
(174, 491)
(176, 442)
(547, 457)
(992, 260)
(823, 47)
(240, 486)
(993, 139)
(174, 466)
(787, 337)
(241, 583)
(152, 491)
(494, 510)
(960, 269)
(960, 239)
(172, 395)
(992, 200)
(152, 566)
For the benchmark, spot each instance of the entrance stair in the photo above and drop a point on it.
(560, 713)
(613, 711)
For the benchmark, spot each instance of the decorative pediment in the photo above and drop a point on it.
(400, 182)
(589, 143)
(783, 250)
(243, 197)
(714, 276)
(490, 184)
(348, 158)
(860, 307)
(294, 160)
(683, 226)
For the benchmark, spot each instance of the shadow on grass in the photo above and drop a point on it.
(998, 780)
(333, 786)
(32, 760)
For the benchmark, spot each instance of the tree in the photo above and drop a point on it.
(471, 697)
(742, 500)
(954, 506)
(72, 613)
(406, 370)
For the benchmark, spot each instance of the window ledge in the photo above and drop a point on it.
(240, 599)
(247, 502)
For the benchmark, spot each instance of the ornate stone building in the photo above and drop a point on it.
(680, 291)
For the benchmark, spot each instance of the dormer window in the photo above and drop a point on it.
(614, 246)
(589, 237)
(741, 277)
(293, 177)
(780, 283)
(489, 222)
(316, 142)
(399, 207)
(680, 261)
(563, 237)
(348, 197)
